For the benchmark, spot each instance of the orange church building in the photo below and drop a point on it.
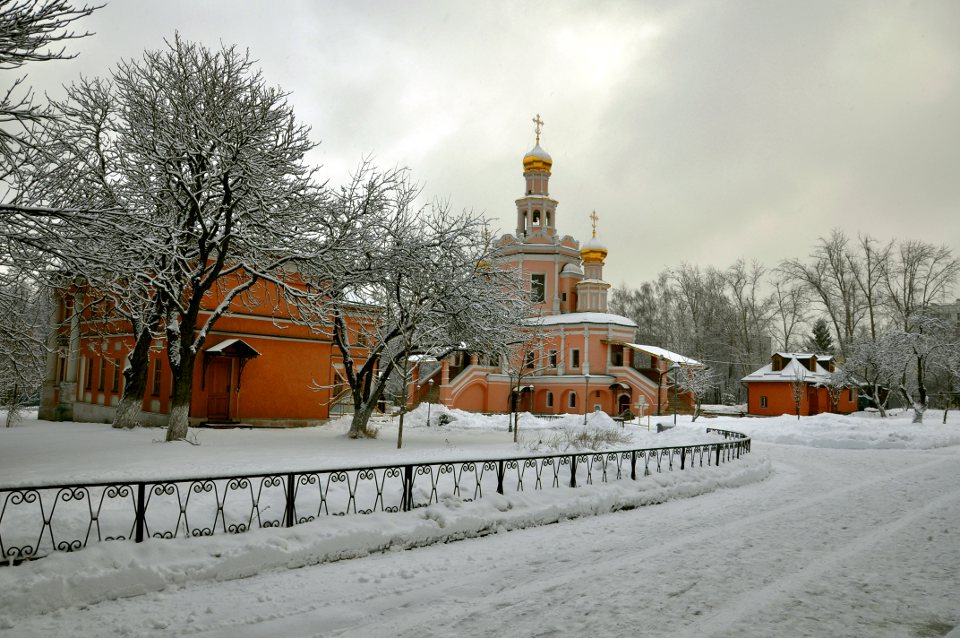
(257, 366)
(586, 358)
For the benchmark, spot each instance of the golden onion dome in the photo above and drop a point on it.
(537, 159)
(593, 251)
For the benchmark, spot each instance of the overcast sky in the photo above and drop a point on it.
(699, 131)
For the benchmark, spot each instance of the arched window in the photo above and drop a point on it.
(573, 400)
(548, 399)
(536, 218)
(548, 218)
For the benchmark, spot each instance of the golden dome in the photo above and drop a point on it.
(593, 251)
(537, 159)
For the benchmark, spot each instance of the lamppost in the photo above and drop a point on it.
(586, 397)
(429, 396)
(676, 369)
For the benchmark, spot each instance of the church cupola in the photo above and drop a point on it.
(592, 289)
(536, 212)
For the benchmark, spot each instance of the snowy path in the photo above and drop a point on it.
(836, 543)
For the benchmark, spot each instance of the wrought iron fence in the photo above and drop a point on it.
(38, 520)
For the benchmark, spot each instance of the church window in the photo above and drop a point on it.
(536, 217)
(530, 360)
(115, 386)
(573, 400)
(553, 359)
(548, 218)
(549, 399)
(563, 296)
(538, 286)
(156, 377)
(103, 373)
(89, 380)
(575, 358)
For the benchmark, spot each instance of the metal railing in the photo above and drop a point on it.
(38, 520)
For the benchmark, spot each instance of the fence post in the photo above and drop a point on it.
(407, 501)
(719, 445)
(141, 511)
(290, 514)
(633, 465)
(683, 457)
(573, 471)
(500, 472)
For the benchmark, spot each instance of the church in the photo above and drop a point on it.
(585, 359)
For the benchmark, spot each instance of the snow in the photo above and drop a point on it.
(583, 317)
(804, 536)
(791, 370)
(663, 353)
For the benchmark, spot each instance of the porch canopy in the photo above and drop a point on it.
(229, 348)
(661, 353)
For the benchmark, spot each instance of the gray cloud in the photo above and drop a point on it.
(700, 132)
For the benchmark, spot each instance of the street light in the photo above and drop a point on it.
(429, 393)
(586, 397)
(676, 369)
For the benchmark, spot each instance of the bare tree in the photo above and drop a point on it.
(798, 385)
(435, 287)
(697, 381)
(879, 364)
(527, 355)
(752, 312)
(919, 275)
(790, 301)
(203, 164)
(30, 31)
(831, 280)
(868, 269)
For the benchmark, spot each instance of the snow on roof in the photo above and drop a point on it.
(581, 317)
(663, 353)
(790, 370)
(226, 344)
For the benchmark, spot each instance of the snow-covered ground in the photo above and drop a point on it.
(803, 537)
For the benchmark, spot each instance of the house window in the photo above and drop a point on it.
(763, 402)
(850, 395)
(103, 374)
(573, 400)
(156, 377)
(552, 358)
(538, 287)
(115, 387)
(549, 399)
(575, 358)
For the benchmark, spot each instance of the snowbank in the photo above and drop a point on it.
(861, 430)
(121, 569)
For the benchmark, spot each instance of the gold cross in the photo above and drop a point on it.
(539, 124)
(594, 218)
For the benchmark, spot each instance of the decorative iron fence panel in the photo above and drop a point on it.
(38, 520)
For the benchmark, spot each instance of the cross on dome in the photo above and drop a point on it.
(594, 217)
(538, 127)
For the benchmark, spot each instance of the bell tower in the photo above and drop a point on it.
(536, 211)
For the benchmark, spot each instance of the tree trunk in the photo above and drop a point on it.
(179, 419)
(135, 378)
(361, 417)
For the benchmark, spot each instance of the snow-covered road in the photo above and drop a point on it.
(835, 543)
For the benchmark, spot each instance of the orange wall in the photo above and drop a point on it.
(780, 400)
